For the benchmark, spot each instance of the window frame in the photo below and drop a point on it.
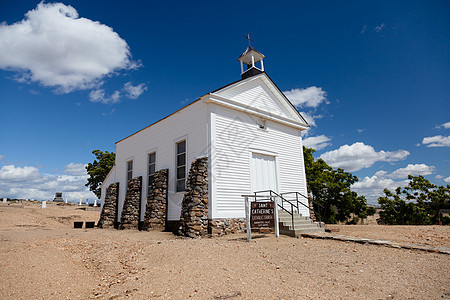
(150, 176)
(177, 166)
(129, 170)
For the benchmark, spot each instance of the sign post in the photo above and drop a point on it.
(277, 224)
(247, 219)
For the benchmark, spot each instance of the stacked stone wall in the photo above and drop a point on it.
(156, 208)
(194, 207)
(219, 227)
(130, 211)
(108, 214)
(312, 214)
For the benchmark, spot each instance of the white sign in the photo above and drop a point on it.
(4, 200)
(44, 204)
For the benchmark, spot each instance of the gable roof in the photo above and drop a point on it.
(249, 49)
(261, 92)
(230, 85)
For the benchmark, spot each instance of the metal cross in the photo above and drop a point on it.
(248, 38)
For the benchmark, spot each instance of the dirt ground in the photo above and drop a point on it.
(433, 235)
(43, 257)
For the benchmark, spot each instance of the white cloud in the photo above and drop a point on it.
(358, 156)
(415, 170)
(115, 97)
(379, 27)
(310, 119)
(309, 97)
(99, 96)
(372, 187)
(2, 157)
(133, 92)
(447, 180)
(75, 169)
(438, 176)
(437, 141)
(53, 46)
(445, 125)
(29, 183)
(317, 142)
(364, 28)
(377, 181)
(109, 113)
(13, 173)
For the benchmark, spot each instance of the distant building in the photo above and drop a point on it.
(58, 197)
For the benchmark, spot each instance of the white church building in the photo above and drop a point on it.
(249, 132)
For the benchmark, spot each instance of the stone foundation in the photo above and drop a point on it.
(131, 206)
(312, 214)
(108, 216)
(156, 208)
(219, 227)
(194, 207)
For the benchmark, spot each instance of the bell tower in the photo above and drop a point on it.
(251, 58)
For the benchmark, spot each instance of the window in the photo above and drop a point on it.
(181, 166)
(129, 170)
(151, 170)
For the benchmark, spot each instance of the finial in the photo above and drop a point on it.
(249, 39)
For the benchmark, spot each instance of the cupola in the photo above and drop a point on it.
(253, 60)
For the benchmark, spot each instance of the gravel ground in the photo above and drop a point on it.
(43, 257)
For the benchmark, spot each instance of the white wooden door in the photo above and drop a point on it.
(263, 173)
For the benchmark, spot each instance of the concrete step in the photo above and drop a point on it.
(284, 213)
(289, 217)
(297, 233)
(296, 220)
(301, 224)
(297, 224)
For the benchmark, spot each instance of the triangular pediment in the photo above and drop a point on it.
(260, 93)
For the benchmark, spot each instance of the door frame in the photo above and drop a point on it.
(276, 165)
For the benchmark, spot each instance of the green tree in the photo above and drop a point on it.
(419, 203)
(99, 169)
(331, 193)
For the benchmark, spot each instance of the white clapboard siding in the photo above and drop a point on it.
(236, 137)
(189, 123)
(258, 92)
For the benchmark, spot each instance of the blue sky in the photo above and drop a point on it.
(372, 78)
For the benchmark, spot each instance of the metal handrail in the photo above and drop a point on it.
(282, 203)
(303, 197)
(273, 195)
(307, 206)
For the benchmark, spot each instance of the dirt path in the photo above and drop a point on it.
(58, 262)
